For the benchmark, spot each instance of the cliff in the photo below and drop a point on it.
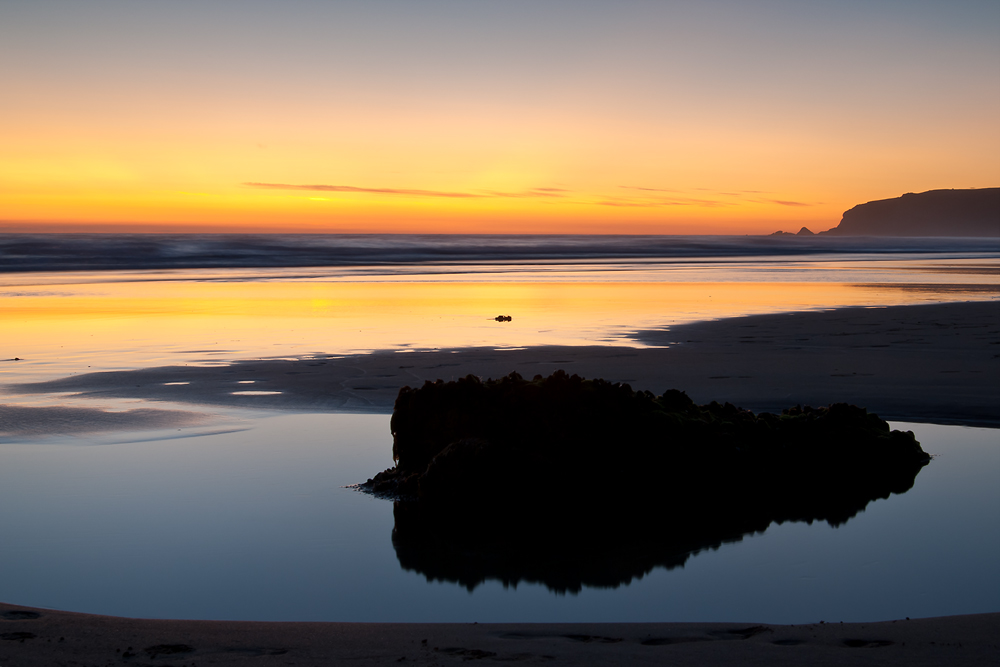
(931, 213)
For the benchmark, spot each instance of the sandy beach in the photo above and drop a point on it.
(928, 363)
(31, 636)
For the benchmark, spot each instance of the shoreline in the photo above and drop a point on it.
(918, 363)
(33, 636)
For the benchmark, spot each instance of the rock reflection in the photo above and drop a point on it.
(607, 543)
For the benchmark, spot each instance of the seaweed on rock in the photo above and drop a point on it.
(570, 481)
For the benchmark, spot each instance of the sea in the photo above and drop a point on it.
(251, 514)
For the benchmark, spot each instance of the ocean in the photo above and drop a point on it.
(89, 252)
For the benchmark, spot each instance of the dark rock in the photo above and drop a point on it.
(570, 481)
(805, 231)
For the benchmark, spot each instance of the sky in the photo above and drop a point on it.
(488, 117)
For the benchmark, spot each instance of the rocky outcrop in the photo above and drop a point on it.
(476, 440)
(576, 482)
(932, 213)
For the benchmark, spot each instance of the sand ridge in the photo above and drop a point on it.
(929, 363)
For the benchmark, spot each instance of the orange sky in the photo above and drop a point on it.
(444, 117)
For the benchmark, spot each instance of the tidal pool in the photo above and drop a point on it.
(257, 524)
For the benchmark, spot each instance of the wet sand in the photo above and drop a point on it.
(31, 422)
(31, 637)
(930, 363)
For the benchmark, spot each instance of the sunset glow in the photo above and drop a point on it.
(487, 118)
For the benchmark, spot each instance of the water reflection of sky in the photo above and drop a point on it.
(60, 324)
(257, 525)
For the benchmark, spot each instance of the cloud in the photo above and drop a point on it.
(534, 192)
(788, 203)
(683, 201)
(407, 192)
(352, 188)
(629, 204)
(637, 201)
(636, 187)
(663, 202)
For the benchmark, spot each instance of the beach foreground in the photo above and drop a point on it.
(42, 637)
